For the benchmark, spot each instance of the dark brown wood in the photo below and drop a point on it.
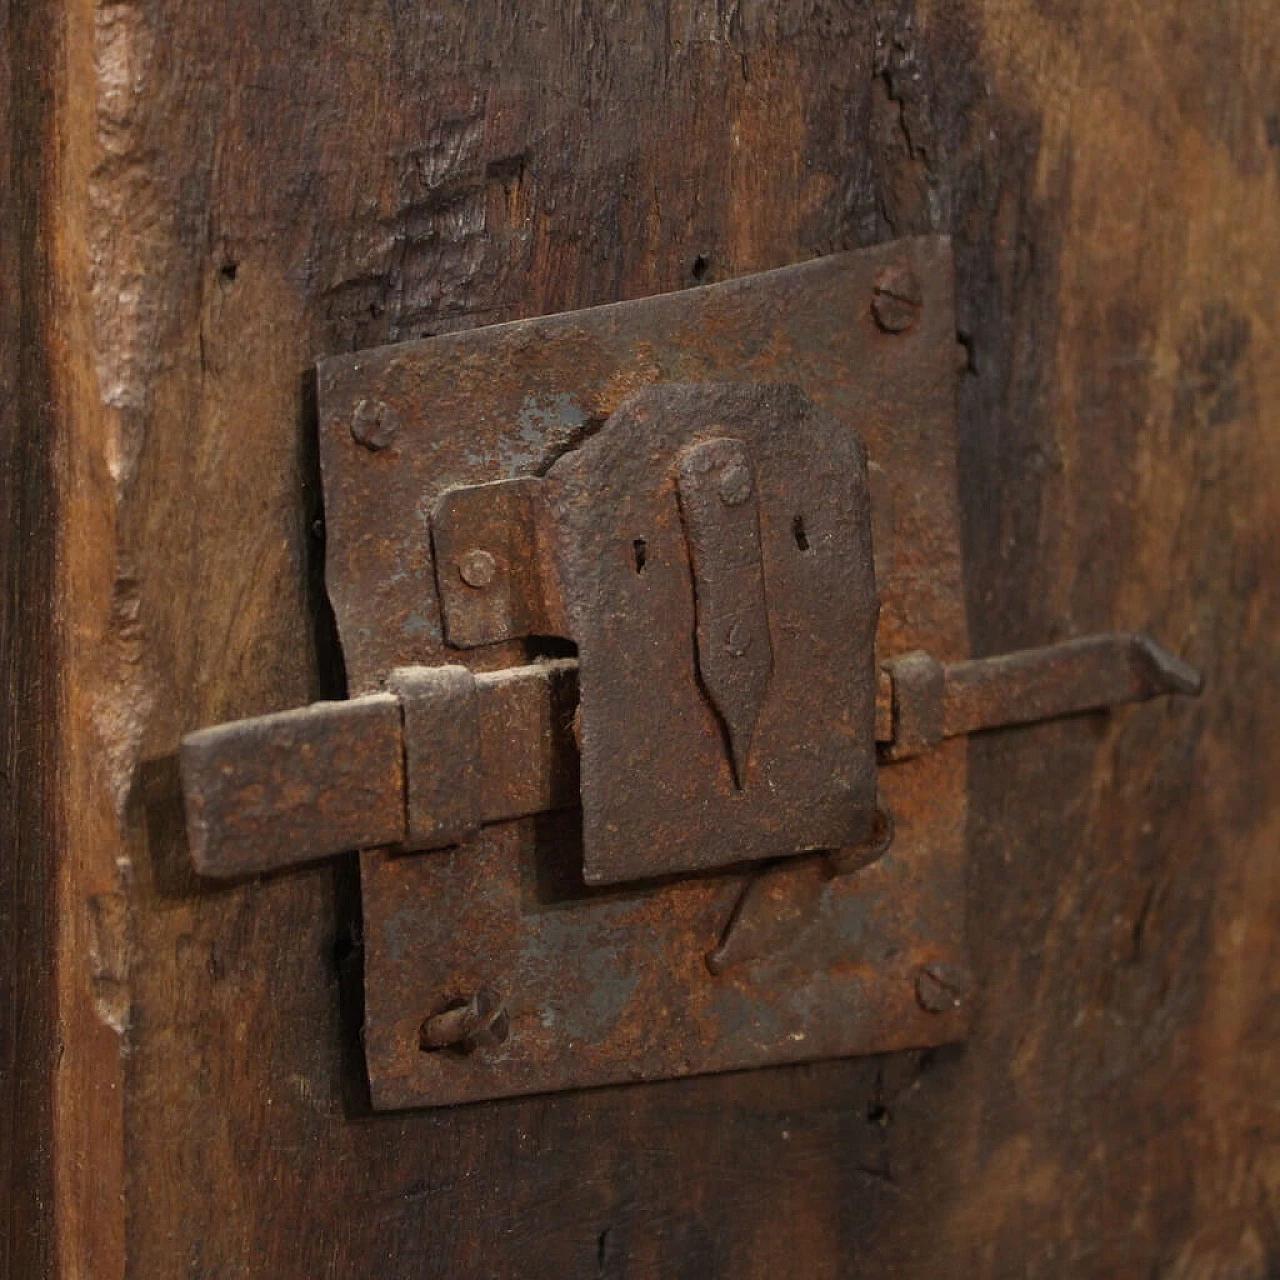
(236, 189)
(29, 660)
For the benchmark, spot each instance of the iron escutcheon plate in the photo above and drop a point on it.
(726, 678)
(603, 985)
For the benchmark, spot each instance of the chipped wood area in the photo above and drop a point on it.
(229, 191)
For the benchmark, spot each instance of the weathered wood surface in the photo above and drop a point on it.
(29, 666)
(231, 190)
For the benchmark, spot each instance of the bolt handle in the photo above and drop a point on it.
(932, 701)
(410, 768)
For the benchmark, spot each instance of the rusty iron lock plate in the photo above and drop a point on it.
(494, 968)
(729, 513)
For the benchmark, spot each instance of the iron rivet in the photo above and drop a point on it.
(940, 988)
(374, 424)
(476, 1022)
(477, 568)
(896, 299)
(735, 484)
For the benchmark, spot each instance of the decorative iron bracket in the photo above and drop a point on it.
(674, 581)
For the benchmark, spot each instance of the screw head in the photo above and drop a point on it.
(940, 988)
(478, 1021)
(374, 424)
(477, 568)
(735, 484)
(896, 299)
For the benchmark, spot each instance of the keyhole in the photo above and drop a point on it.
(640, 552)
(799, 534)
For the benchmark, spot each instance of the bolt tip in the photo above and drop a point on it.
(1166, 671)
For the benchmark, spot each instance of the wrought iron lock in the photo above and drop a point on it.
(762, 616)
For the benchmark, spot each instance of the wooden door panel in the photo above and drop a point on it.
(213, 196)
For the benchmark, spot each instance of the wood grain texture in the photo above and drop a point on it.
(244, 188)
(29, 660)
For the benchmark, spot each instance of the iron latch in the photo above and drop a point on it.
(684, 572)
(446, 751)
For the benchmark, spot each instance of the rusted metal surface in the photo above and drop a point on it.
(932, 701)
(769, 913)
(280, 789)
(273, 791)
(659, 793)
(603, 986)
(488, 567)
(778, 904)
(851, 858)
(896, 300)
(276, 790)
(644, 529)
(941, 988)
(717, 486)
(918, 719)
(441, 734)
(466, 1024)
(528, 756)
(1079, 675)
(649, 533)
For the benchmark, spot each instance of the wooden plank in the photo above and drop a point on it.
(29, 812)
(243, 188)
